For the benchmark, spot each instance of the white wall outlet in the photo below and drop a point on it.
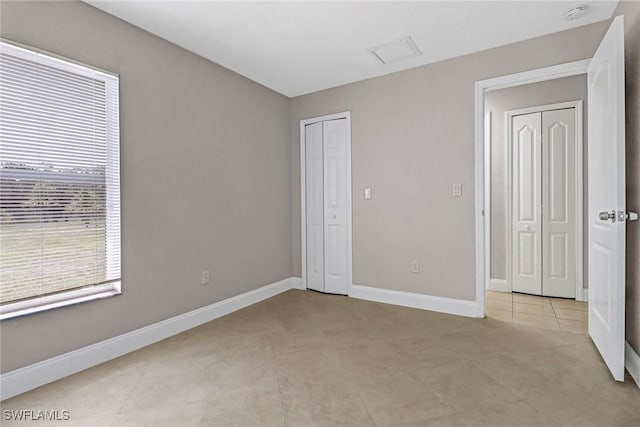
(456, 190)
(367, 192)
(415, 266)
(205, 277)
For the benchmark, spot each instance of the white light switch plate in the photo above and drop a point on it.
(367, 193)
(456, 190)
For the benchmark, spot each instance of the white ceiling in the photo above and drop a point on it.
(300, 47)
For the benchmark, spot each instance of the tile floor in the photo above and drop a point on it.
(540, 312)
(306, 359)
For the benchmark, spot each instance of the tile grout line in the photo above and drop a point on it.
(512, 306)
(126, 399)
(553, 307)
(275, 363)
(366, 408)
(454, 412)
(201, 413)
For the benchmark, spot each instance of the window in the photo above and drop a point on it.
(59, 182)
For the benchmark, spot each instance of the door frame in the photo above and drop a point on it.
(482, 193)
(579, 179)
(303, 185)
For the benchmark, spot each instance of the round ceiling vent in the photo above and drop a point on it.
(576, 12)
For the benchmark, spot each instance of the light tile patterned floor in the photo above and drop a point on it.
(540, 312)
(306, 359)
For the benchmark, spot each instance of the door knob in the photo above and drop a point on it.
(606, 216)
(526, 227)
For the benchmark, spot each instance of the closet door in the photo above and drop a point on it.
(314, 177)
(526, 203)
(335, 206)
(559, 203)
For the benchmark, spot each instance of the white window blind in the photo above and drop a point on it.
(59, 182)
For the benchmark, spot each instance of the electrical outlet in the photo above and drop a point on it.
(456, 191)
(415, 266)
(205, 277)
(367, 193)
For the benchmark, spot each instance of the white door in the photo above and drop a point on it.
(559, 222)
(314, 206)
(607, 197)
(526, 206)
(335, 206)
(327, 206)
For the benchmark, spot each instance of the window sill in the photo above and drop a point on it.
(63, 299)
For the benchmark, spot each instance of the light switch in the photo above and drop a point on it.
(415, 266)
(367, 193)
(456, 191)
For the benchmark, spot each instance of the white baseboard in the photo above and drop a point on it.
(296, 283)
(24, 379)
(632, 362)
(585, 295)
(425, 302)
(498, 285)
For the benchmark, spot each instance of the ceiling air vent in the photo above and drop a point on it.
(398, 50)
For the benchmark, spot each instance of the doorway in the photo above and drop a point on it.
(325, 165)
(535, 153)
(535, 183)
(607, 213)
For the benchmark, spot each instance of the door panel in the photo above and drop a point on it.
(559, 203)
(336, 208)
(314, 178)
(527, 146)
(526, 274)
(558, 257)
(557, 160)
(606, 154)
(527, 252)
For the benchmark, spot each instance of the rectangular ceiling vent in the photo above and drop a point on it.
(396, 51)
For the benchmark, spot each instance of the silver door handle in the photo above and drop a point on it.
(606, 216)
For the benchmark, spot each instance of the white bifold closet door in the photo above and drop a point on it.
(526, 206)
(543, 209)
(326, 205)
(314, 206)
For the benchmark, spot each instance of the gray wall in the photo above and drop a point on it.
(499, 102)
(631, 12)
(412, 138)
(205, 179)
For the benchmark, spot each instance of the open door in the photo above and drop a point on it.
(607, 210)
